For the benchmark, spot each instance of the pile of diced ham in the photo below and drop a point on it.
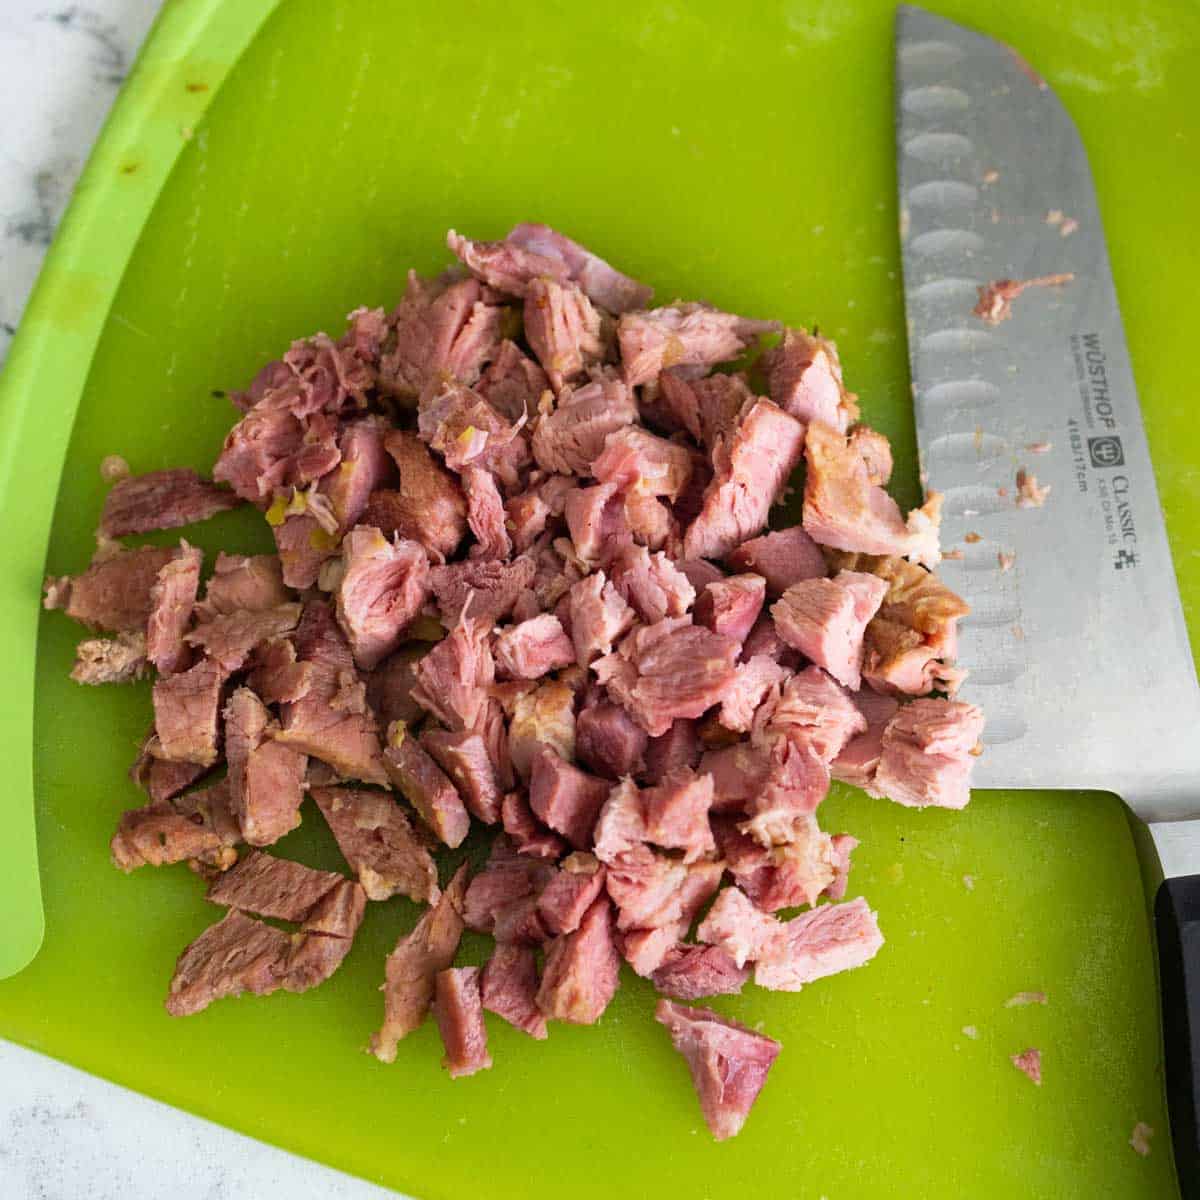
(524, 580)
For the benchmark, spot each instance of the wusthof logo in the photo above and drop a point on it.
(1106, 452)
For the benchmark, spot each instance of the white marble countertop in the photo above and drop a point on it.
(65, 1135)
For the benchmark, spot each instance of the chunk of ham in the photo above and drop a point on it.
(609, 741)
(926, 756)
(845, 510)
(706, 408)
(858, 760)
(513, 383)
(810, 707)
(509, 880)
(533, 648)
(796, 781)
(114, 593)
(307, 539)
(782, 558)
(804, 378)
(753, 464)
(581, 970)
(680, 334)
(492, 588)
(506, 266)
(390, 686)
(651, 584)
(276, 675)
(383, 588)
(173, 598)
(783, 875)
(565, 798)
(738, 772)
(458, 1006)
(159, 778)
(563, 329)
(509, 988)
(442, 327)
(379, 843)
(426, 787)
(460, 425)
(413, 966)
(691, 972)
(485, 513)
(273, 448)
(162, 500)
(668, 670)
(598, 522)
(570, 437)
(679, 747)
(825, 619)
(266, 779)
(570, 892)
(844, 844)
(634, 458)
(428, 506)
(121, 659)
(453, 678)
(728, 1063)
(823, 941)
(604, 284)
(230, 639)
(250, 582)
(598, 616)
(675, 814)
(186, 711)
(327, 722)
(731, 605)
(465, 759)
(198, 826)
(743, 931)
(752, 682)
(267, 886)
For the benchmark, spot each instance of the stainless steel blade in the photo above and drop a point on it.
(1076, 645)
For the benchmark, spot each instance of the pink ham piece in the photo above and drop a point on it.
(581, 971)
(543, 716)
(731, 606)
(598, 616)
(796, 782)
(173, 597)
(562, 328)
(693, 972)
(844, 844)
(608, 741)
(485, 513)
(570, 892)
(728, 1063)
(752, 467)
(510, 880)
(752, 682)
(505, 266)
(598, 521)
(845, 510)
(113, 594)
(493, 588)
(677, 748)
(706, 408)
(783, 875)
(273, 448)
(567, 799)
(383, 588)
(453, 678)
(682, 334)
(743, 931)
(186, 710)
(162, 500)
(804, 378)
(531, 838)
(465, 759)
(821, 942)
(825, 620)
(604, 284)
(253, 582)
(675, 814)
(513, 383)
(198, 826)
(426, 787)
(859, 758)
(782, 558)
(651, 584)
(230, 639)
(570, 437)
(509, 988)
(738, 773)
(634, 458)
(1029, 1063)
(668, 670)
(458, 1007)
(810, 707)
(266, 779)
(462, 427)
(926, 756)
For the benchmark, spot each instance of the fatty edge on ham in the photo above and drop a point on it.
(526, 577)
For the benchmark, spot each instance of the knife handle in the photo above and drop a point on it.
(1177, 923)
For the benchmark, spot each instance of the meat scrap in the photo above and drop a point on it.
(162, 500)
(728, 1063)
(509, 986)
(1030, 493)
(995, 299)
(119, 659)
(199, 826)
(1029, 1063)
(458, 1007)
(580, 974)
(926, 754)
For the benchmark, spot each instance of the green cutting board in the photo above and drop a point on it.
(284, 164)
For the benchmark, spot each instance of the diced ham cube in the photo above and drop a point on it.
(675, 814)
(198, 826)
(465, 759)
(458, 1007)
(529, 835)
(813, 708)
(543, 716)
(487, 589)
(728, 1062)
(414, 964)
(162, 500)
(564, 797)
(731, 606)
(785, 875)
(796, 782)
(782, 558)
(272, 448)
(581, 970)
(186, 709)
(859, 758)
(273, 887)
(598, 521)
(926, 755)
(513, 383)
(753, 465)
(507, 267)
(266, 779)
(738, 773)
(707, 408)
(571, 437)
(742, 930)
(752, 682)
(678, 748)
(843, 846)
(453, 678)
(653, 586)
(692, 972)
(635, 459)
(825, 620)
(485, 513)
(113, 594)
(598, 616)
(823, 941)
(510, 879)
(241, 581)
(562, 328)
(172, 597)
(845, 510)
(426, 787)
(509, 988)
(230, 640)
(533, 648)
(608, 741)
(804, 377)
(570, 892)
(682, 334)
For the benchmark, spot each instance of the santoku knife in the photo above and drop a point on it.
(1076, 645)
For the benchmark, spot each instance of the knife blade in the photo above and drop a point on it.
(1076, 646)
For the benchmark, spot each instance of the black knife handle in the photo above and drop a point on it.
(1177, 923)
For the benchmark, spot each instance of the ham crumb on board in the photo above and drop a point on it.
(970, 1031)
(1005, 560)
(1030, 493)
(1038, 447)
(1023, 998)
(525, 584)
(1029, 1062)
(995, 299)
(1140, 1138)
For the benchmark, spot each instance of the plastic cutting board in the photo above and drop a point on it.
(269, 167)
